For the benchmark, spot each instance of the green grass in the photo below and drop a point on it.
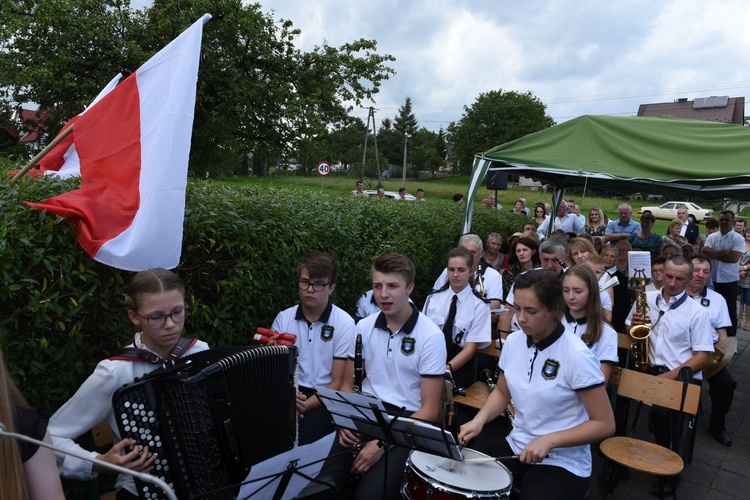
(441, 190)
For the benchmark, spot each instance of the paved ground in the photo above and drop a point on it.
(717, 472)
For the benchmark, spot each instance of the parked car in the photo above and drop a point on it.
(373, 193)
(669, 209)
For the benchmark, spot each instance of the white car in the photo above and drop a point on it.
(669, 209)
(373, 193)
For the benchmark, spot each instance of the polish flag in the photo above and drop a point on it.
(133, 147)
(62, 161)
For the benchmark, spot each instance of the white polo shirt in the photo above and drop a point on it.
(605, 349)
(725, 272)
(716, 306)
(318, 343)
(683, 330)
(604, 295)
(493, 283)
(472, 323)
(366, 305)
(543, 380)
(395, 362)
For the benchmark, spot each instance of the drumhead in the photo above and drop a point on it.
(479, 477)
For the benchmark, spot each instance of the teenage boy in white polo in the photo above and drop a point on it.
(404, 359)
(324, 333)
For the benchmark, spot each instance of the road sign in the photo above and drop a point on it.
(324, 168)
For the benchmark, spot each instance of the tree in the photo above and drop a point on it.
(405, 122)
(495, 118)
(257, 93)
(59, 54)
(390, 142)
(423, 152)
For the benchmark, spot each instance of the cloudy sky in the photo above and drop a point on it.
(577, 56)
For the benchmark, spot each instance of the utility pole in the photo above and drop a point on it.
(406, 139)
(371, 115)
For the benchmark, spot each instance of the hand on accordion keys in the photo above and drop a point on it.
(266, 336)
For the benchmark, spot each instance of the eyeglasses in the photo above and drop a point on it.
(158, 320)
(317, 286)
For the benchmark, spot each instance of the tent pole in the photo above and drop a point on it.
(557, 197)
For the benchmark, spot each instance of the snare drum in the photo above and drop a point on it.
(437, 478)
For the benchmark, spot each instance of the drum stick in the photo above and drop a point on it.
(481, 460)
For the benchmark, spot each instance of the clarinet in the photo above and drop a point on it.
(490, 380)
(357, 388)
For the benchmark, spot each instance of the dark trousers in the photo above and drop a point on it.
(538, 481)
(721, 389)
(315, 424)
(368, 486)
(730, 291)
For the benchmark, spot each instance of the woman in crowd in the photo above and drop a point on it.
(557, 388)
(585, 316)
(595, 223)
(470, 329)
(156, 306)
(518, 206)
(745, 284)
(646, 239)
(579, 250)
(673, 234)
(27, 471)
(523, 257)
(539, 214)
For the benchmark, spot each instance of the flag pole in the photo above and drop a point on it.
(57, 140)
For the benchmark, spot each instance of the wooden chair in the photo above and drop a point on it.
(640, 455)
(478, 392)
(103, 437)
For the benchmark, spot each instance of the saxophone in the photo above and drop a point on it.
(639, 334)
(480, 280)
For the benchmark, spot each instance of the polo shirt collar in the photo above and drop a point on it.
(551, 339)
(571, 319)
(382, 323)
(619, 223)
(323, 317)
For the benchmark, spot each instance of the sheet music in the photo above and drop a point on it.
(260, 482)
(638, 261)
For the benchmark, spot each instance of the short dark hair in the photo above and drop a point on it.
(458, 197)
(467, 254)
(712, 223)
(420, 190)
(546, 286)
(395, 263)
(319, 265)
(401, 190)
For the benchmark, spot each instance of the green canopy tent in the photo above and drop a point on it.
(626, 155)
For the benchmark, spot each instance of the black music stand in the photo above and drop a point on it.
(287, 474)
(367, 415)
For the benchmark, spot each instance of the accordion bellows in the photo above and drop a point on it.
(211, 416)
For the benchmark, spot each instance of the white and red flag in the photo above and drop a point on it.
(133, 147)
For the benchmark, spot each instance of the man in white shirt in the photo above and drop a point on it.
(568, 222)
(725, 248)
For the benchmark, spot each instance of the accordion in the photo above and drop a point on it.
(210, 417)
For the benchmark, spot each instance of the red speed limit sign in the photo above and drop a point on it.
(324, 168)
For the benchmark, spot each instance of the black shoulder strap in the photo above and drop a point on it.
(442, 288)
(142, 355)
(479, 295)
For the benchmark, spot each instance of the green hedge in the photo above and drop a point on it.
(62, 312)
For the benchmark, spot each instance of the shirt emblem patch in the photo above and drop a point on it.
(549, 370)
(407, 345)
(326, 333)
